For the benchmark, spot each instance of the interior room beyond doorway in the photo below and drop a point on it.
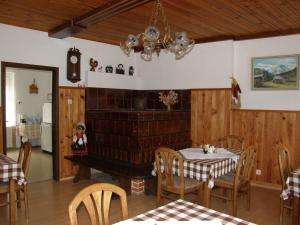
(29, 117)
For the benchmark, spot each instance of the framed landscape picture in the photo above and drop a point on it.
(275, 73)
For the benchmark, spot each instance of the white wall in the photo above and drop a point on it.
(265, 99)
(108, 80)
(208, 65)
(34, 47)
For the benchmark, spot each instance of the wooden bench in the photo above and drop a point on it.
(122, 171)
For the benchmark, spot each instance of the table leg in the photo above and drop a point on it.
(12, 205)
(83, 173)
(295, 211)
(206, 195)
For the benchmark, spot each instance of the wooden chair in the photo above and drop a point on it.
(230, 141)
(167, 182)
(24, 161)
(96, 199)
(285, 170)
(238, 182)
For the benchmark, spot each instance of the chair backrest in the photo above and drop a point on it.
(164, 158)
(248, 166)
(284, 164)
(239, 169)
(231, 141)
(24, 157)
(96, 199)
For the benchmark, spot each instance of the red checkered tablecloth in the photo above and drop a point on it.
(205, 169)
(9, 169)
(182, 210)
(293, 185)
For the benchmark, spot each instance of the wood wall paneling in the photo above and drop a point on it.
(212, 118)
(265, 130)
(210, 115)
(71, 111)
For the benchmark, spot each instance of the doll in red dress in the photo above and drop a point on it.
(79, 140)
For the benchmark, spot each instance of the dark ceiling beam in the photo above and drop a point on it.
(104, 12)
(65, 30)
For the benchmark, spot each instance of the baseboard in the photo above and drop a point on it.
(266, 185)
(66, 178)
(47, 152)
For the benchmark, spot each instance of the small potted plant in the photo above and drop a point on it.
(168, 99)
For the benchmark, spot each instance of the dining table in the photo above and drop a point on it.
(293, 189)
(205, 167)
(12, 174)
(182, 210)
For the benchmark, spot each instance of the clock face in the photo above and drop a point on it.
(74, 59)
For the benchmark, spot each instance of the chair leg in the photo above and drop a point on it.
(3, 198)
(224, 194)
(281, 211)
(249, 196)
(182, 196)
(26, 202)
(200, 195)
(19, 199)
(234, 203)
(158, 196)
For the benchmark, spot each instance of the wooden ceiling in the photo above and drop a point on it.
(203, 20)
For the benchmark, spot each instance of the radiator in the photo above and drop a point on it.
(9, 137)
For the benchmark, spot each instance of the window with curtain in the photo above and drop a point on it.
(10, 99)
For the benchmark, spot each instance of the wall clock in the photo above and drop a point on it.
(73, 65)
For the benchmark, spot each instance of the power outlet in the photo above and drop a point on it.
(258, 172)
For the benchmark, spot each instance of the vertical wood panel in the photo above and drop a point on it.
(71, 111)
(265, 130)
(210, 115)
(212, 118)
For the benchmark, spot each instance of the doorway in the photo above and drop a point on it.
(29, 110)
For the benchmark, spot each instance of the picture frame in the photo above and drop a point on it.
(275, 73)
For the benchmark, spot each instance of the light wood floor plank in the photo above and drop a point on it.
(49, 203)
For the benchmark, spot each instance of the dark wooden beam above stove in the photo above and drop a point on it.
(65, 30)
(106, 11)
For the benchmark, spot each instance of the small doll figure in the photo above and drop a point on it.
(79, 141)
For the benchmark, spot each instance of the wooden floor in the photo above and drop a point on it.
(49, 203)
(41, 164)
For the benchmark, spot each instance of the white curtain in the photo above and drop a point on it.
(10, 100)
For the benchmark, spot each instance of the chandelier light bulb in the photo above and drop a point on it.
(152, 33)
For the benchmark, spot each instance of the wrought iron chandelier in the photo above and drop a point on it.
(153, 40)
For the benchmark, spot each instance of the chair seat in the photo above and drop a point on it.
(189, 184)
(227, 181)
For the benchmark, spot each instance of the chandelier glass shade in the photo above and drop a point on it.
(152, 40)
